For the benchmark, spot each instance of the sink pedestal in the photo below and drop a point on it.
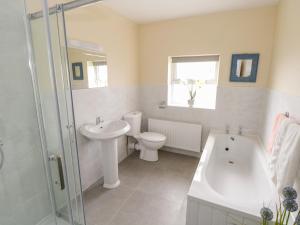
(109, 150)
(107, 133)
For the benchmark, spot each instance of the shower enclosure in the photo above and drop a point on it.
(39, 170)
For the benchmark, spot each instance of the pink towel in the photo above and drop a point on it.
(279, 118)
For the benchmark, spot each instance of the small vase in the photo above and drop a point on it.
(191, 102)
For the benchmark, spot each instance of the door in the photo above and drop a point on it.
(50, 66)
(24, 194)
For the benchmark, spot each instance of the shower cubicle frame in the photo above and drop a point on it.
(45, 13)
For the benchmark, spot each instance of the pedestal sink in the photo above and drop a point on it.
(107, 133)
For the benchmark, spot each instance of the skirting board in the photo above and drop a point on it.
(180, 151)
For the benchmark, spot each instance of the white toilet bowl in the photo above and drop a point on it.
(149, 143)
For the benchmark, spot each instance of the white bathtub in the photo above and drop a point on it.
(231, 183)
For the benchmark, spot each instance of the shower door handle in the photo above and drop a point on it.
(58, 160)
(1, 155)
(60, 173)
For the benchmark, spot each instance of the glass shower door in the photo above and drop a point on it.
(25, 197)
(52, 80)
(61, 65)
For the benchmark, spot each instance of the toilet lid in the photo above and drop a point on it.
(151, 136)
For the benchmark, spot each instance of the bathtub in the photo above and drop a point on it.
(231, 182)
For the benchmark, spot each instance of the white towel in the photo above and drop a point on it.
(287, 165)
(276, 148)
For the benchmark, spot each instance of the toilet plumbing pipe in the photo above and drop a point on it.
(134, 145)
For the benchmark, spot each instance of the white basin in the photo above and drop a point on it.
(107, 133)
(106, 130)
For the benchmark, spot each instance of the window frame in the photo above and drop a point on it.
(173, 80)
(94, 65)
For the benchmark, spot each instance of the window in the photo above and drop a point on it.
(97, 74)
(193, 78)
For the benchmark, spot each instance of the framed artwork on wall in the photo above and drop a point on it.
(77, 71)
(244, 67)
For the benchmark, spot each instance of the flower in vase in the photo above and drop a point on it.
(266, 214)
(290, 205)
(289, 193)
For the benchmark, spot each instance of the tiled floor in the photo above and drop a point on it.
(151, 193)
(50, 220)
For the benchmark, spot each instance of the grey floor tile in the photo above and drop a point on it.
(101, 204)
(151, 193)
(185, 165)
(151, 206)
(124, 218)
(166, 184)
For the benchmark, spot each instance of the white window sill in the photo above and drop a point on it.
(193, 107)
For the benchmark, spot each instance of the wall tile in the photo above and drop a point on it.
(234, 106)
(111, 104)
(278, 102)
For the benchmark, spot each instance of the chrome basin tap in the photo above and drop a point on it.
(99, 120)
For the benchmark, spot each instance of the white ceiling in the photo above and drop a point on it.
(145, 11)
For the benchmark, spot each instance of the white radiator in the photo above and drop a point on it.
(185, 136)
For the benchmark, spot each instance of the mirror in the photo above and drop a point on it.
(88, 69)
(244, 67)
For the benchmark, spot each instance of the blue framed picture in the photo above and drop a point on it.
(77, 71)
(244, 67)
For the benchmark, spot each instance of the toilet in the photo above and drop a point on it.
(148, 142)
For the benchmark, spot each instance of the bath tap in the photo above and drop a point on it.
(240, 131)
(227, 128)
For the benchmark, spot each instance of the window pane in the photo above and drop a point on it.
(185, 71)
(205, 97)
(180, 94)
(196, 70)
(97, 74)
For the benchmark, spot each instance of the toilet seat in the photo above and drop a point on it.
(148, 143)
(152, 137)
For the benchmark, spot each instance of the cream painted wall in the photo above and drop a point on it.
(283, 94)
(285, 72)
(284, 91)
(243, 31)
(117, 36)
